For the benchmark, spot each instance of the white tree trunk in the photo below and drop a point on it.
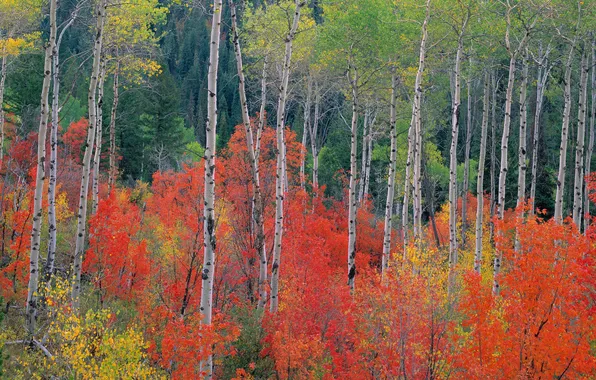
(257, 202)
(523, 121)
(541, 79)
(591, 141)
(352, 206)
(366, 169)
(2, 86)
(466, 182)
(364, 153)
(113, 171)
(480, 181)
(262, 111)
(313, 141)
(305, 130)
(84, 188)
(98, 138)
(455, 109)
(493, 147)
(578, 184)
(280, 179)
(418, 129)
(408, 184)
(208, 272)
(564, 138)
(50, 50)
(391, 177)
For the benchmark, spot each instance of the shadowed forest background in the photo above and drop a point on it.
(297, 189)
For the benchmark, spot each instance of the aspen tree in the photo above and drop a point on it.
(578, 184)
(280, 179)
(466, 182)
(34, 269)
(100, 13)
(98, 138)
(564, 137)
(50, 260)
(591, 140)
(313, 140)
(305, 130)
(257, 206)
(391, 177)
(208, 271)
(480, 181)
(493, 146)
(352, 74)
(541, 79)
(513, 55)
(113, 170)
(455, 108)
(369, 143)
(523, 121)
(417, 179)
(363, 155)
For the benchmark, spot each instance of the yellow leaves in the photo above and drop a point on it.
(63, 211)
(15, 46)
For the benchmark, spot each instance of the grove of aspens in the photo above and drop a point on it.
(297, 189)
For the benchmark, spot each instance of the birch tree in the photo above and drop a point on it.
(100, 13)
(280, 173)
(480, 181)
(523, 121)
(34, 267)
(591, 138)
(542, 74)
(391, 176)
(578, 184)
(208, 270)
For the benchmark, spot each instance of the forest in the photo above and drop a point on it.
(297, 189)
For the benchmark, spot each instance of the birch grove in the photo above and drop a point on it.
(578, 183)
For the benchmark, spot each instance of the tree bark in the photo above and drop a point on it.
(480, 181)
(352, 206)
(564, 138)
(305, 130)
(523, 122)
(493, 147)
(391, 177)
(2, 86)
(591, 141)
(280, 179)
(408, 184)
(113, 171)
(418, 129)
(208, 272)
(257, 206)
(466, 183)
(578, 184)
(98, 138)
(84, 188)
(541, 79)
(32, 289)
(363, 156)
(313, 141)
(453, 155)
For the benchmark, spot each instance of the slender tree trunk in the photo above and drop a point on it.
(84, 189)
(262, 111)
(418, 130)
(453, 156)
(541, 78)
(480, 181)
(493, 147)
(466, 183)
(257, 207)
(113, 171)
(313, 141)
(578, 184)
(2, 86)
(408, 184)
(523, 121)
(391, 177)
(305, 133)
(591, 141)
(564, 138)
(208, 274)
(32, 296)
(280, 179)
(364, 153)
(98, 138)
(366, 168)
(352, 205)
